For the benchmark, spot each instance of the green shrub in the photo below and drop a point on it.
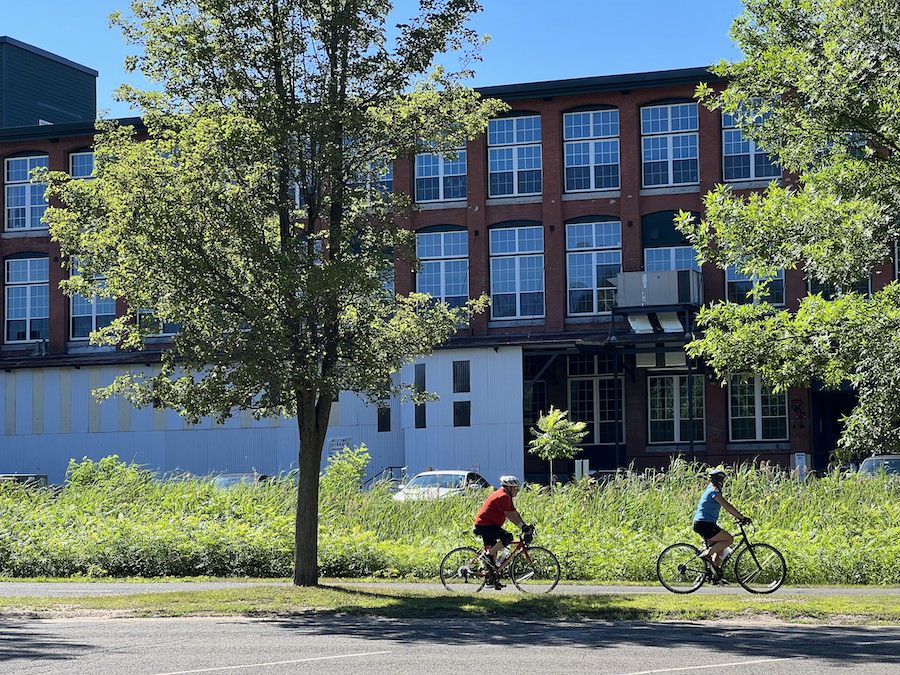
(113, 519)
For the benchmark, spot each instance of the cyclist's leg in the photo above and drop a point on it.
(490, 536)
(717, 545)
(717, 540)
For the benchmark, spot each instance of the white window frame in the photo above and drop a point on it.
(674, 259)
(676, 419)
(36, 278)
(658, 134)
(518, 254)
(94, 304)
(449, 255)
(83, 153)
(605, 248)
(733, 136)
(732, 276)
(591, 438)
(601, 134)
(141, 313)
(34, 201)
(514, 143)
(448, 166)
(757, 412)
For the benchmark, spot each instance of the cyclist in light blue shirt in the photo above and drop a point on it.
(707, 515)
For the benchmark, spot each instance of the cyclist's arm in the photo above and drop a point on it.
(728, 507)
(515, 518)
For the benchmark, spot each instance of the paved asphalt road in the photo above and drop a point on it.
(29, 589)
(350, 645)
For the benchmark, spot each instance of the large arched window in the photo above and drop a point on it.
(670, 144)
(25, 203)
(517, 270)
(27, 297)
(443, 253)
(593, 259)
(591, 145)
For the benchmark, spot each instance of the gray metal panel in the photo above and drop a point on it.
(80, 399)
(52, 382)
(24, 402)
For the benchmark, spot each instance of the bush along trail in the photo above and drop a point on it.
(115, 520)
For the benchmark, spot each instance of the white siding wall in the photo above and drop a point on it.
(50, 417)
(493, 445)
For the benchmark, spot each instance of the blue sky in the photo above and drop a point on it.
(531, 40)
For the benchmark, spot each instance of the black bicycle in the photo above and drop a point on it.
(759, 568)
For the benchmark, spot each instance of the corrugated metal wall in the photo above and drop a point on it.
(51, 417)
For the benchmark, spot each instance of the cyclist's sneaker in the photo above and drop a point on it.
(498, 586)
(720, 582)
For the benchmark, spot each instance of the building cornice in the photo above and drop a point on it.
(587, 85)
(65, 130)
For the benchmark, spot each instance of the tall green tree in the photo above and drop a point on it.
(249, 212)
(819, 86)
(556, 437)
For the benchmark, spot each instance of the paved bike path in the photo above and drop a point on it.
(66, 588)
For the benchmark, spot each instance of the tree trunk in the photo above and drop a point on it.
(306, 525)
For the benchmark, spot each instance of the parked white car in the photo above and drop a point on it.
(438, 484)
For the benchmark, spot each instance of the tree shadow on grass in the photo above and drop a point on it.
(25, 641)
(526, 621)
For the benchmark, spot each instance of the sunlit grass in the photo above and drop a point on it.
(116, 521)
(396, 603)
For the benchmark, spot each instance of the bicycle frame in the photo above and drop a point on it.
(518, 546)
(745, 541)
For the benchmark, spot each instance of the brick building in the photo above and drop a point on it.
(561, 213)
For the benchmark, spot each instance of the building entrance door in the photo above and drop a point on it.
(828, 408)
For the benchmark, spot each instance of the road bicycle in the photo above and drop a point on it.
(759, 568)
(533, 569)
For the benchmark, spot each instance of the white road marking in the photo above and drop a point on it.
(714, 665)
(272, 663)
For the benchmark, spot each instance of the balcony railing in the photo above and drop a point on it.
(668, 288)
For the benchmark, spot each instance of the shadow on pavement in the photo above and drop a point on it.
(21, 640)
(850, 645)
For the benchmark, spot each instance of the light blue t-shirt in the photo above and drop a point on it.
(708, 508)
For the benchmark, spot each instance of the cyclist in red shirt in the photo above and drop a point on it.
(496, 510)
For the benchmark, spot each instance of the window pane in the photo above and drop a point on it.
(461, 377)
(462, 413)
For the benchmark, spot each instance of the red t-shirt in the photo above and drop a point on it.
(493, 511)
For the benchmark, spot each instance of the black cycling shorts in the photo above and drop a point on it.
(706, 529)
(491, 533)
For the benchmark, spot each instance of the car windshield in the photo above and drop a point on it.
(436, 480)
(874, 465)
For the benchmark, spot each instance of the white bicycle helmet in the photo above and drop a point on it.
(715, 471)
(510, 481)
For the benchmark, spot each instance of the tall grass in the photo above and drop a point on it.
(115, 520)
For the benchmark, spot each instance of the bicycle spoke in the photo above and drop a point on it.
(680, 568)
(462, 571)
(760, 568)
(535, 570)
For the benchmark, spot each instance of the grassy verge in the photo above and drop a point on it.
(404, 604)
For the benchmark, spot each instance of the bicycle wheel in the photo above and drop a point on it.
(681, 569)
(463, 571)
(760, 568)
(535, 570)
